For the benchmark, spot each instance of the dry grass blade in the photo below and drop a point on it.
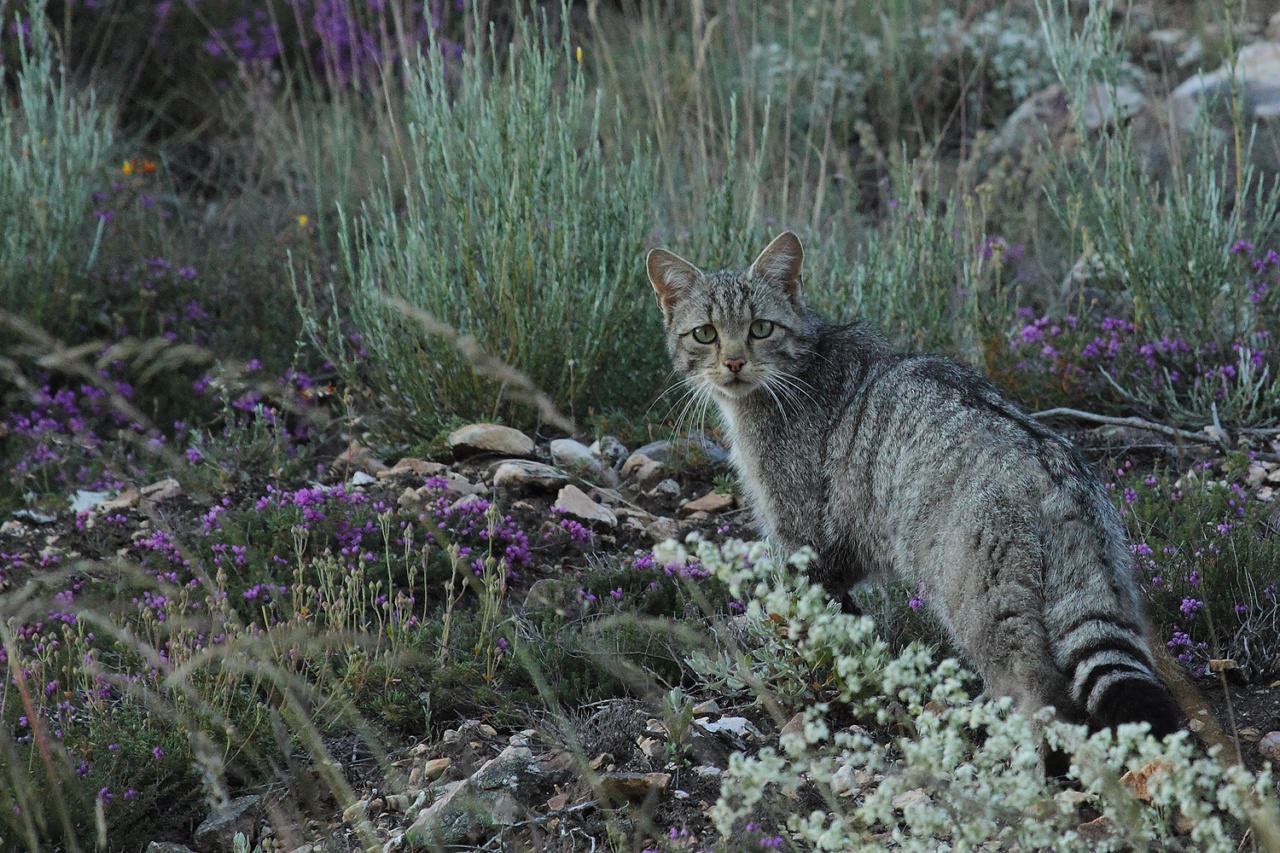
(515, 385)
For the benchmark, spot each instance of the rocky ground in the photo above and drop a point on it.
(619, 768)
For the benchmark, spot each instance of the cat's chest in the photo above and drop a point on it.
(775, 471)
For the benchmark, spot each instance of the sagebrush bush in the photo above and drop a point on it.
(55, 139)
(964, 772)
(514, 226)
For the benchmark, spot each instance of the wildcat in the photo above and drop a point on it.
(889, 464)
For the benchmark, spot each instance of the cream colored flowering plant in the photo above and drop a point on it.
(939, 769)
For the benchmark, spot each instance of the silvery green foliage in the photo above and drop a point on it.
(504, 217)
(1010, 47)
(961, 791)
(52, 142)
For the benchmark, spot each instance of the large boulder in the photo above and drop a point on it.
(1199, 111)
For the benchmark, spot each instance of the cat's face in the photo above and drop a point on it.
(736, 332)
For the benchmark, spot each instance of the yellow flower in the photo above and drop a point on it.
(127, 168)
(303, 219)
(578, 54)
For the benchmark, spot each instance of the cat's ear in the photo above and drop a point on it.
(780, 262)
(671, 276)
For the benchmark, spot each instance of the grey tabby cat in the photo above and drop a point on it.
(915, 467)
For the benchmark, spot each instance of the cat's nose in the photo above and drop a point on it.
(734, 364)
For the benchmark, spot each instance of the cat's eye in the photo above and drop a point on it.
(761, 328)
(705, 334)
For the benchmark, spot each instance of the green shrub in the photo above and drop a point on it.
(54, 142)
(515, 227)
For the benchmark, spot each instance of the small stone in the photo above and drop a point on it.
(1195, 725)
(795, 725)
(650, 746)
(434, 769)
(167, 847)
(1097, 830)
(667, 489)
(558, 802)
(356, 811)
(360, 478)
(161, 490)
(82, 500)
(737, 726)
(685, 450)
(455, 486)
(521, 474)
(1182, 823)
(610, 449)
(576, 456)
(1269, 747)
(573, 501)
(218, 831)
(642, 469)
(489, 438)
(916, 796)
(356, 457)
(409, 500)
(711, 502)
(411, 467)
(707, 708)
(707, 771)
(127, 499)
(634, 787)
(842, 782)
(1250, 734)
(399, 802)
(662, 529)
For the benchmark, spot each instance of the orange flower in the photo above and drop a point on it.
(139, 164)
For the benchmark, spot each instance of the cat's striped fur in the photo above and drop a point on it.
(913, 466)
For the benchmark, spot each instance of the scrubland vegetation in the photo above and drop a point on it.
(262, 263)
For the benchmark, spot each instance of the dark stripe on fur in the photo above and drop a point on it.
(1138, 700)
(1103, 669)
(1107, 644)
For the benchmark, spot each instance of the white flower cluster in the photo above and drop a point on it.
(1010, 48)
(948, 771)
(1007, 51)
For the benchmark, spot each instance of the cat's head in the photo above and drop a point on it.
(734, 332)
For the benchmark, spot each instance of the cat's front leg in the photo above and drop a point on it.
(838, 569)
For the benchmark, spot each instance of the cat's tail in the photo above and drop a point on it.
(1113, 676)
